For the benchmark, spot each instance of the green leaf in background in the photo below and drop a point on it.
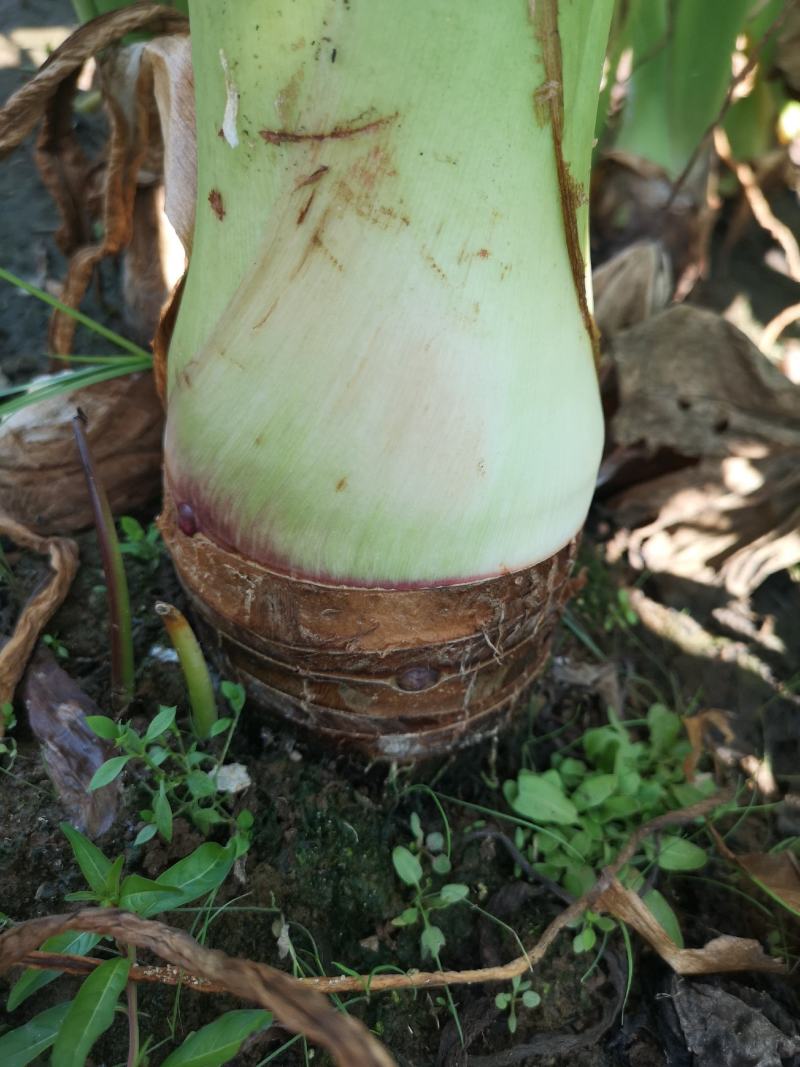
(585, 940)
(431, 941)
(146, 897)
(103, 727)
(406, 918)
(677, 854)
(594, 790)
(218, 1042)
(160, 724)
(665, 727)
(197, 874)
(93, 864)
(108, 771)
(539, 799)
(407, 866)
(453, 892)
(90, 1013)
(162, 812)
(664, 915)
(23, 1045)
(31, 980)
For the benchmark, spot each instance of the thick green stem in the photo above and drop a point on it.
(382, 371)
(194, 667)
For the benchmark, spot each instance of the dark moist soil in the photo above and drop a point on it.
(326, 824)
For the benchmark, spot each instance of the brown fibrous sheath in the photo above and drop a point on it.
(395, 673)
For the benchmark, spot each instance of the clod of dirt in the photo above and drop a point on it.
(42, 483)
(57, 708)
(731, 1031)
(691, 385)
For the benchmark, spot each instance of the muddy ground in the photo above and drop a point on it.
(326, 824)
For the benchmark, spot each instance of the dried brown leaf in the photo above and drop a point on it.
(691, 384)
(631, 286)
(87, 190)
(777, 873)
(719, 955)
(699, 729)
(40, 607)
(57, 708)
(42, 483)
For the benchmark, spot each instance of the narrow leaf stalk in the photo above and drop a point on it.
(194, 667)
(84, 320)
(119, 608)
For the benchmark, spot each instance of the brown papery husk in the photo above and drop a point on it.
(42, 483)
(393, 673)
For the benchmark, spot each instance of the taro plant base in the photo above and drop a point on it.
(394, 673)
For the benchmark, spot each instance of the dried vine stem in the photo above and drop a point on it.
(63, 555)
(300, 1010)
(606, 894)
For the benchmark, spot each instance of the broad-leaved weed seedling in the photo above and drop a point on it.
(520, 994)
(8, 746)
(585, 806)
(72, 1027)
(180, 779)
(143, 544)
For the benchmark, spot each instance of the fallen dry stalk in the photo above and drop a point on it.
(190, 965)
(759, 204)
(63, 555)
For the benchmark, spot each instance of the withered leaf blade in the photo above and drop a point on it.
(689, 382)
(41, 479)
(777, 873)
(57, 708)
(722, 954)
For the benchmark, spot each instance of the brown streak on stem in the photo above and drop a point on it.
(304, 210)
(312, 178)
(215, 200)
(279, 137)
(548, 102)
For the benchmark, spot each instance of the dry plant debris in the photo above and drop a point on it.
(40, 607)
(57, 708)
(691, 385)
(42, 483)
(118, 190)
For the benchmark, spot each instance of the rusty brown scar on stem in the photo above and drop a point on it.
(548, 105)
(347, 129)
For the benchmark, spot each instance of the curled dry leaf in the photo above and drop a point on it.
(700, 729)
(108, 191)
(42, 483)
(777, 873)
(693, 386)
(634, 200)
(630, 287)
(301, 1010)
(40, 607)
(719, 955)
(57, 708)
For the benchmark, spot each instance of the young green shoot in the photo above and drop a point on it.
(119, 608)
(194, 667)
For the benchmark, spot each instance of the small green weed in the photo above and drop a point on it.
(8, 746)
(72, 1027)
(585, 806)
(520, 994)
(57, 647)
(181, 778)
(408, 864)
(143, 544)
